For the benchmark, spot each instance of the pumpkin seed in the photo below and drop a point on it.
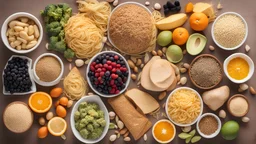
(138, 63)
(162, 95)
(127, 139)
(131, 64)
(111, 126)
(252, 90)
(145, 137)
(154, 53)
(195, 139)
(146, 58)
(186, 129)
(245, 119)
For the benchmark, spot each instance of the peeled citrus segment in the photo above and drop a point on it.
(40, 102)
(57, 126)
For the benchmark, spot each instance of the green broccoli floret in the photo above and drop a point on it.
(84, 122)
(100, 114)
(77, 116)
(49, 9)
(101, 121)
(93, 113)
(89, 118)
(77, 124)
(53, 41)
(84, 133)
(69, 53)
(60, 46)
(90, 127)
(53, 28)
(62, 35)
(93, 106)
(93, 135)
(95, 124)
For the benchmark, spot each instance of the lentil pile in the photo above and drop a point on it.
(229, 30)
(206, 72)
(208, 125)
(17, 117)
(48, 69)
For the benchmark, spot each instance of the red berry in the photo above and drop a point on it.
(113, 70)
(93, 63)
(102, 73)
(97, 74)
(116, 57)
(118, 65)
(109, 67)
(109, 62)
(113, 64)
(117, 92)
(114, 76)
(96, 66)
(112, 82)
(99, 78)
(123, 69)
(112, 91)
(105, 65)
(104, 69)
(92, 68)
(96, 82)
(100, 65)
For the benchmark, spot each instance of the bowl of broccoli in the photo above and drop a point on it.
(89, 119)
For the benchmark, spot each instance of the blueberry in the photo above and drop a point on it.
(166, 11)
(104, 61)
(177, 3)
(178, 8)
(112, 59)
(170, 5)
(165, 6)
(107, 73)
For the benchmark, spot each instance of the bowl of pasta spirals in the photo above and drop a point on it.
(184, 106)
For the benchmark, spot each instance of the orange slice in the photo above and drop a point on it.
(57, 126)
(40, 102)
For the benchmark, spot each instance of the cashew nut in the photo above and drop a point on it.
(31, 44)
(26, 29)
(17, 43)
(24, 35)
(30, 30)
(31, 38)
(12, 45)
(18, 47)
(23, 46)
(18, 28)
(16, 33)
(24, 19)
(22, 40)
(36, 31)
(11, 32)
(7, 32)
(11, 38)
(17, 23)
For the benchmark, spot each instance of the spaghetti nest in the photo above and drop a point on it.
(83, 36)
(96, 11)
(74, 85)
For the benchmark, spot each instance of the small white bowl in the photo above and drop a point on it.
(52, 83)
(164, 120)
(128, 77)
(167, 101)
(95, 99)
(120, 5)
(243, 56)
(246, 31)
(33, 87)
(13, 17)
(216, 132)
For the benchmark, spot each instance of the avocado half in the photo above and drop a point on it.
(196, 43)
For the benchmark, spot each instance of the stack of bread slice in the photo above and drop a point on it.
(158, 75)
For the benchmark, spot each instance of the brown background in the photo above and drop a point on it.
(247, 131)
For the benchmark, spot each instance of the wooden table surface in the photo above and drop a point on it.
(247, 134)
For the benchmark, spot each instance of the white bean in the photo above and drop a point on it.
(24, 19)
(31, 30)
(36, 31)
(18, 28)
(22, 40)
(31, 44)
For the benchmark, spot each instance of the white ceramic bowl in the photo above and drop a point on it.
(128, 77)
(246, 31)
(201, 109)
(164, 120)
(122, 4)
(95, 99)
(42, 83)
(13, 17)
(216, 132)
(245, 57)
(33, 87)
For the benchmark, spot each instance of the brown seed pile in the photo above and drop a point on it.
(131, 29)
(206, 72)
(208, 125)
(17, 117)
(48, 69)
(229, 30)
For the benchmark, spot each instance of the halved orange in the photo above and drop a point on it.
(40, 102)
(57, 126)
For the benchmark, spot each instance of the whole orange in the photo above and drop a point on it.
(180, 36)
(42, 132)
(198, 21)
(61, 111)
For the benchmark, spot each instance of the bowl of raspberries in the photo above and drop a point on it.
(108, 74)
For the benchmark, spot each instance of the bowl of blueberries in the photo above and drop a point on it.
(16, 76)
(108, 74)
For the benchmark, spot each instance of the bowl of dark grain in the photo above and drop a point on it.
(205, 71)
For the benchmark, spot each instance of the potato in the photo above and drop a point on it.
(215, 98)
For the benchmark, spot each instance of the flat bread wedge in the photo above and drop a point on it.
(160, 71)
(135, 122)
(145, 79)
(144, 101)
(173, 85)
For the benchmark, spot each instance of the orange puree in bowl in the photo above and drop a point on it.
(164, 131)
(238, 68)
